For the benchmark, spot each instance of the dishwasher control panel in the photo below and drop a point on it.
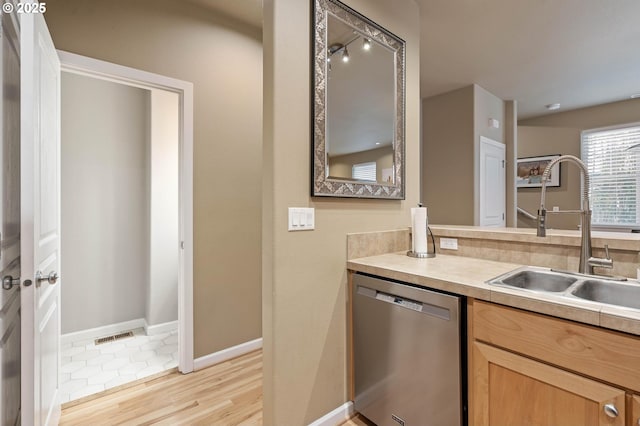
(409, 304)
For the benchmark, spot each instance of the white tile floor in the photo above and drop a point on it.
(87, 369)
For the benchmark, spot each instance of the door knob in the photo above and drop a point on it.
(8, 282)
(52, 278)
(610, 410)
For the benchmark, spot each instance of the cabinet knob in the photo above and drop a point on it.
(611, 410)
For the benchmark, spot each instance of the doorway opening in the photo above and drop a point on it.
(126, 227)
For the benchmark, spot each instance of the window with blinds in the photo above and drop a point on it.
(364, 171)
(612, 157)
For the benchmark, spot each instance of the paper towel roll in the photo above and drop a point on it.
(419, 229)
(413, 234)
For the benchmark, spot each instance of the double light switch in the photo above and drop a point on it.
(301, 218)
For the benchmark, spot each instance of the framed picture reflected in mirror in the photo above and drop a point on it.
(529, 171)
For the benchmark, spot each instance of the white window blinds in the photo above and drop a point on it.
(364, 171)
(614, 168)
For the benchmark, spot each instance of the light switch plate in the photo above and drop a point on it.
(301, 218)
(449, 243)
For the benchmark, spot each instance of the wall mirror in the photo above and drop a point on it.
(358, 106)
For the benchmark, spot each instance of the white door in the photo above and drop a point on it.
(40, 239)
(10, 220)
(492, 183)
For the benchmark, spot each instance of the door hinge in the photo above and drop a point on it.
(502, 216)
(503, 164)
(182, 245)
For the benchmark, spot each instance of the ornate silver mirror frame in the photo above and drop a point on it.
(322, 184)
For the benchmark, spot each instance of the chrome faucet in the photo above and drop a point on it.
(587, 261)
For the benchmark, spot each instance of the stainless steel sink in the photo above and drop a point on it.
(539, 280)
(611, 293)
(587, 288)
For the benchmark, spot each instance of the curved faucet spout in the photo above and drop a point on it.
(585, 211)
(585, 178)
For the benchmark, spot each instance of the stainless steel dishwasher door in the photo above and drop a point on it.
(407, 354)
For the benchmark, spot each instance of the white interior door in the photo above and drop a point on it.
(40, 237)
(10, 220)
(492, 183)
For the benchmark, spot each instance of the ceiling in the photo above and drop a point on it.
(247, 11)
(573, 52)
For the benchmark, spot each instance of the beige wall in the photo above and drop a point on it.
(604, 115)
(485, 106)
(452, 124)
(511, 142)
(304, 273)
(223, 58)
(341, 165)
(104, 204)
(448, 157)
(560, 134)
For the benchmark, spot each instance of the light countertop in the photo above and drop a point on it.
(467, 276)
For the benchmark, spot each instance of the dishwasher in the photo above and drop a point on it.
(408, 354)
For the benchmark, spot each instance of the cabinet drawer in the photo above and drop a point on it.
(607, 355)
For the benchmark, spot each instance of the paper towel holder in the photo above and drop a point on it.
(428, 254)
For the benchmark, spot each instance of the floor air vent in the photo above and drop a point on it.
(114, 337)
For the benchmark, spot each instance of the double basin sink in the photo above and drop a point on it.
(572, 285)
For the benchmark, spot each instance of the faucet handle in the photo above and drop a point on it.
(542, 227)
(607, 262)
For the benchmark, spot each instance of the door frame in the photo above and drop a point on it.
(10, 244)
(78, 64)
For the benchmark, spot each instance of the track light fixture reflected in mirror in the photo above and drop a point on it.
(332, 50)
(339, 47)
(345, 55)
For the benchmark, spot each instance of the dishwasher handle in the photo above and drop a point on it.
(403, 302)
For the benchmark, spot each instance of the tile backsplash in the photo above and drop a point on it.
(564, 257)
(373, 243)
(515, 245)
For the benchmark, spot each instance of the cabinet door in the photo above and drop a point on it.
(509, 389)
(635, 411)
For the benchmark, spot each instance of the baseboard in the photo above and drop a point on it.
(165, 327)
(226, 354)
(105, 330)
(336, 417)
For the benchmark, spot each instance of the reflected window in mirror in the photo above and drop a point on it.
(358, 94)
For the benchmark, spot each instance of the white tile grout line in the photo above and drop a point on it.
(87, 369)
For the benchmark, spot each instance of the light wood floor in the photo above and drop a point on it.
(358, 420)
(229, 393)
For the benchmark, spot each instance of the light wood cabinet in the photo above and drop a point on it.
(531, 369)
(635, 411)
